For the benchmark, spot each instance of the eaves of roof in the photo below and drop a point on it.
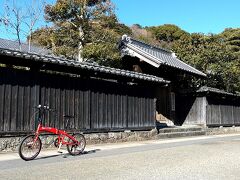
(33, 57)
(206, 89)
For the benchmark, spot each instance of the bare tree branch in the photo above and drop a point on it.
(20, 21)
(34, 11)
(12, 19)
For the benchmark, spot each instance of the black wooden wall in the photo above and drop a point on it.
(223, 111)
(210, 110)
(97, 105)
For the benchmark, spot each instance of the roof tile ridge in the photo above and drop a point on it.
(128, 38)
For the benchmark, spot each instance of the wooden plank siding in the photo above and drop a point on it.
(208, 110)
(197, 112)
(16, 101)
(223, 111)
(97, 105)
(223, 115)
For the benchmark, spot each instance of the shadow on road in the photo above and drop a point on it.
(49, 156)
(91, 151)
(65, 155)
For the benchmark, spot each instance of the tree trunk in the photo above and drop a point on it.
(29, 41)
(19, 41)
(80, 45)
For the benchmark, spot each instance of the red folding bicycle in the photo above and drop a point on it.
(31, 145)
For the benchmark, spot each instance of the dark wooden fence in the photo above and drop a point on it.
(225, 112)
(211, 110)
(97, 105)
(18, 94)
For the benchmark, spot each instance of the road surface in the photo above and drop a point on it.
(206, 157)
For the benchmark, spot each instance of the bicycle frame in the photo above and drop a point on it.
(61, 134)
(31, 145)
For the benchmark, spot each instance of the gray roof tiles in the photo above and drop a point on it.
(13, 45)
(158, 56)
(215, 90)
(81, 65)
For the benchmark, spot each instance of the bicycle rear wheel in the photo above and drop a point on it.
(77, 148)
(28, 150)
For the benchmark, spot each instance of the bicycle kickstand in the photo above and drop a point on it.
(59, 151)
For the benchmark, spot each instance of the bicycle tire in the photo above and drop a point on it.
(26, 145)
(79, 148)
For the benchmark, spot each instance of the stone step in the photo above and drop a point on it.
(180, 129)
(180, 134)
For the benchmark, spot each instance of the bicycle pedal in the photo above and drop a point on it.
(59, 151)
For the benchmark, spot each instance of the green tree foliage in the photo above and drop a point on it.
(103, 47)
(210, 54)
(232, 39)
(166, 34)
(86, 29)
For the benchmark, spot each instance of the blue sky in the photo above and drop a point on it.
(205, 16)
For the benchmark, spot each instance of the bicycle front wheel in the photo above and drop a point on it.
(28, 150)
(77, 148)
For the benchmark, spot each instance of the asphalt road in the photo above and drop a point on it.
(214, 157)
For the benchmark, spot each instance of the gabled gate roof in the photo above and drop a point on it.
(154, 55)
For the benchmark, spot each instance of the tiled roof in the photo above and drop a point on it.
(81, 65)
(13, 45)
(215, 90)
(154, 55)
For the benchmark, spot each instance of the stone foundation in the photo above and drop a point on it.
(12, 143)
(222, 130)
